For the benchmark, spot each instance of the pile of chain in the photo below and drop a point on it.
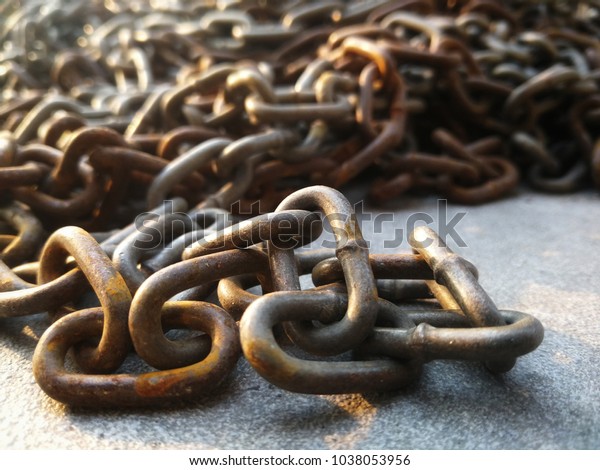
(132, 130)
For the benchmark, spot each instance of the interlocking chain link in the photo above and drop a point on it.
(134, 133)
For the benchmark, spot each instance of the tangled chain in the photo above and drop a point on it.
(130, 129)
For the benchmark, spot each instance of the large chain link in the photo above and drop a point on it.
(132, 131)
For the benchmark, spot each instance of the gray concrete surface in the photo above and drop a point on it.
(535, 253)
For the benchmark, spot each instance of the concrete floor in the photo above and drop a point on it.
(535, 253)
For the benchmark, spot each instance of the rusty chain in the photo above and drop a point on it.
(131, 131)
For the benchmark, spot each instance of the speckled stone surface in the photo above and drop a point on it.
(535, 253)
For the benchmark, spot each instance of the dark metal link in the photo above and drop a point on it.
(128, 254)
(20, 298)
(520, 335)
(304, 376)
(398, 275)
(109, 286)
(450, 271)
(30, 234)
(285, 229)
(235, 299)
(163, 388)
(145, 316)
(353, 255)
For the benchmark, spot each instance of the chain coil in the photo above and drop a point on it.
(157, 157)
